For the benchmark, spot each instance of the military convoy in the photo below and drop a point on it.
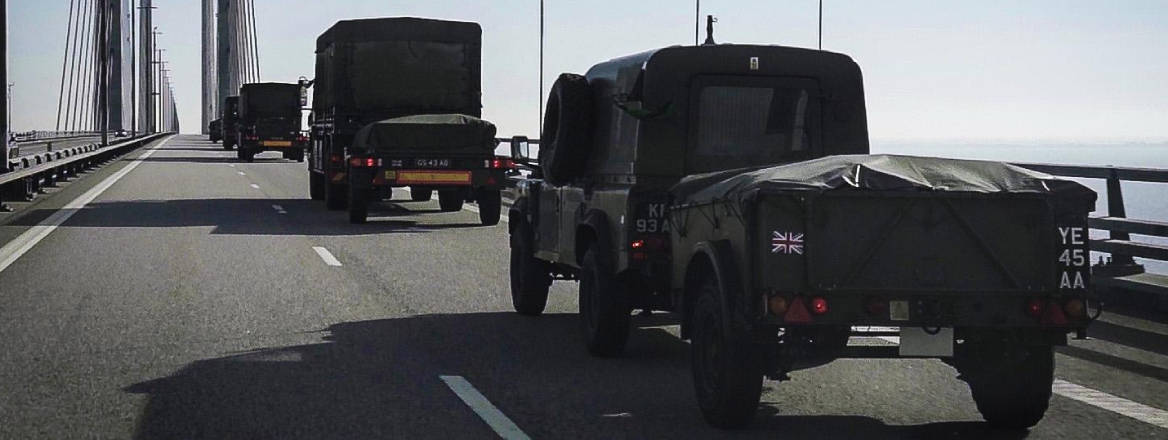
(215, 131)
(230, 122)
(396, 102)
(731, 185)
(269, 120)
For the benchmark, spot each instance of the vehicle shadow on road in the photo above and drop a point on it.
(248, 217)
(378, 379)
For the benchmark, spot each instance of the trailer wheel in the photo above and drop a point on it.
(335, 196)
(315, 186)
(530, 278)
(241, 154)
(450, 200)
(358, 205)
(421, 194)
(1011, 387)
(727, 372)
(490, 204)
(604, 307)
(300, 155)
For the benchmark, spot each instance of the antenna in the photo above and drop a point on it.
(820, 24)
(710, 20)
(697, 19)
(540, 97)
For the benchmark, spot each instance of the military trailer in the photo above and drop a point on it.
(731, 185)
(215, 130)
(396, 102)
(230, 122)
(269, 120)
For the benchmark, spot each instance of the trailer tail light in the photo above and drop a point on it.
(1054, 315)
(500, 163)
(364, 162)
(302, 138)
(797, 312)
(1034, 308)
(818, 306)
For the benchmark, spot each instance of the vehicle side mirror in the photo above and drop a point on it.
(521, 149)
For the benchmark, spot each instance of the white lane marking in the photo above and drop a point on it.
(279, 209)
(1138, 411)
(483, 407)
(241, 173)
(25, 241)
(231, 165)
(254, 186)
(327, 256)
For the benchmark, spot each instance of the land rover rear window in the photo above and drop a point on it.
(753, 122)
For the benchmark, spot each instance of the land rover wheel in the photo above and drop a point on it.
(316, 186)
(335, 196)
(604, 307)
(421, 194)
(1011, 387)
(727, 371)
(358, 204)
(450, 200)
(490, 203)
(530, 279)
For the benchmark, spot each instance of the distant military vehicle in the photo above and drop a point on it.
(230, 122)
(396, 102)
(269, 120)
(697, 180)
(215, 130)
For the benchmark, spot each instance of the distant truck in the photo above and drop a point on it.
(269, 120)
(396, 102)
(215, 130)
(731, 185)
(230, 122)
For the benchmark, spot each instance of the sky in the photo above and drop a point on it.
(991, 70)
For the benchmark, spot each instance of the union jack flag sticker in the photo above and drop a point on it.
(788, 243)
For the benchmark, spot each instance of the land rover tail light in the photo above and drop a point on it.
(818, 305)
(1075, 308)
(366, 162)
(1054, 315)
(777, 305)
(1034, 308)
(637, 244)
(500, 163)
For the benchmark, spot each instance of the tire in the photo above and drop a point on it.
(241, 155)
(335, 196)
(358, 205)
(315, 186)
(490, 204)
(530, 279)
(450, 200)
(567, 129)
(421, 194)
(300, 156)
(727, 371)
(604, 307)
(1011, 391)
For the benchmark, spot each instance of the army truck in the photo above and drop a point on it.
(215, 130)
(269, 120)
(411, 88)
(731, 185)
(230, 123)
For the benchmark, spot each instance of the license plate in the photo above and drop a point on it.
(915, 341)
(429, 177)
(432, 163)
(277, 143)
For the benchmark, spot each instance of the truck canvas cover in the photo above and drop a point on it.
(880, 172)
(448, 133)
(262, 100)
(399, 66)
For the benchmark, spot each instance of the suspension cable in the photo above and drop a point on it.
(255, 49)
(64, 63)
(72, 106)
(83, 77)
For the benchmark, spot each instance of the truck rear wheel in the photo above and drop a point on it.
(1011, 387)
(315, 186)
(727, 372)
(421, 194)
(490, 203)
(604, 307)
(450, 200)
(334, 196)
(530, 278)
(358, 205)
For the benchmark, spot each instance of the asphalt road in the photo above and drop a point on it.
(194, 299)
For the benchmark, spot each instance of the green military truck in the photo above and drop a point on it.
(269, 120)
(215, 131)
(396, 102)
(230, 122)
(731, 185)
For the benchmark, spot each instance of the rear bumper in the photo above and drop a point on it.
(272, 145)
(436, 179)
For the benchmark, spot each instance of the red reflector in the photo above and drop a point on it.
(1054, 315)
(797, 312)
(818, 305)
(1034, 307)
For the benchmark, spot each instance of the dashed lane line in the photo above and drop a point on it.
(241, 173)
(1119, 405)
(25, 241)
(279, 209)
(483, 407)
(327, 256)
(254, 186)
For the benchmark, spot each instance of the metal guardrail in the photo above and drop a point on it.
(31, 174)
(40, 135)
